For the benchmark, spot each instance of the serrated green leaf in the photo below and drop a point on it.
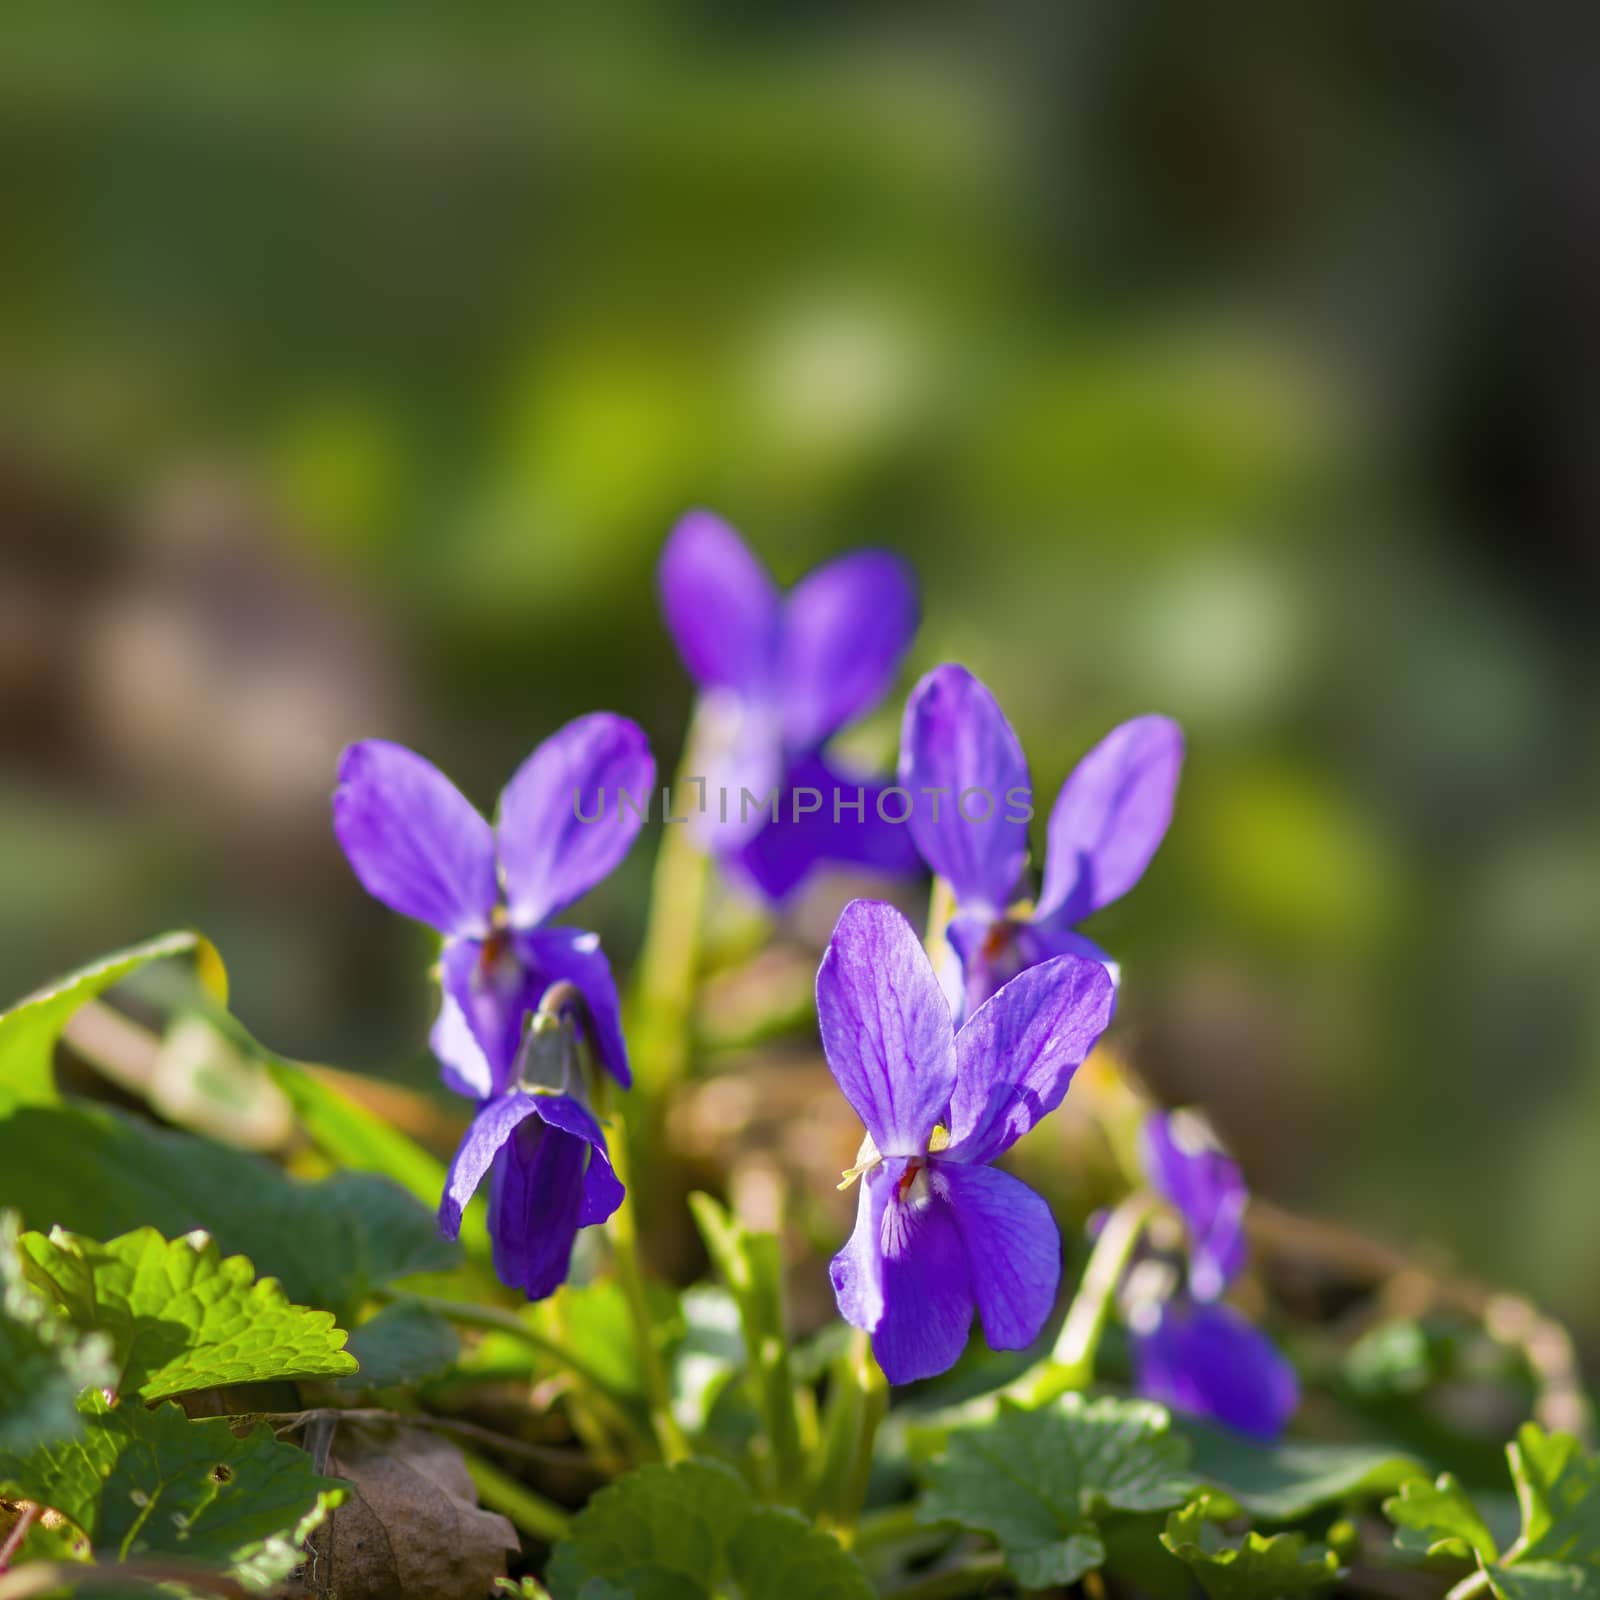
(778, 1555)
(153, 1483)
(1283, 1482)
(45, 1363)
(1557, 1551)
(404, 1343)
(180, 1315)
(29, 1031)
(1253, 1568)
(1034, 1479)
(677, 1533)
(1440, 1519)
(99, 1173)
(1558, 1491)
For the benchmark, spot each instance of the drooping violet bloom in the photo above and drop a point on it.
(939, 1231)
(779, 676)
(964, 767)
(549, 1169)
(1192, 1351)
(417, 844)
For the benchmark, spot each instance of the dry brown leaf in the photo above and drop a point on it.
(412, 1528)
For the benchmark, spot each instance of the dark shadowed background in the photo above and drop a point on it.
(1236, 361)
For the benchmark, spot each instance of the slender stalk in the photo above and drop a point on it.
(495, 1320)
(531, 1512)
(19, 1532)
(669, 958)
(1469, 1587)
(972, 1576)
(1071, 1363)
(889, 1526)
(872, 1388)
(624, 1235)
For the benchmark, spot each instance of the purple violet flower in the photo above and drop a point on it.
(779, 676)
(939, 1231)
(1191, 1351)
(964, 767)
(417, 845)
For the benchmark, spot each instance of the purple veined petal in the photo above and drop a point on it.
(927, 1291)
(857, 1270)
(784, 854)
(549, 853)
(1188, 1167)
(494, 990)
(885, 1027)
(846, 628)
(1111, 814)
(413, 839)
(734, 772)
(535, 1201)
(490, 1129)
(574, 955)
(966, 772)
(463, 1066)
(722, 608)
(1017, 1053)
(602, 1189)
(1209, 1361)
(1013, 1251)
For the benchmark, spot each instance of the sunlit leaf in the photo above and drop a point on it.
(1035, 1480)
(180, 1316)
(1252, 1568)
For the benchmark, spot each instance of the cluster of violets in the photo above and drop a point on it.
(947, 1067)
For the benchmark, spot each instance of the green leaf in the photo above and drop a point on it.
(29, 1031)
(99, 1173)
(1557, 1551)
(1254, 1568)
(152, 1483)
(1440, 1519)
(1286, 1481)
(1035, 1480)
(680, 1532)
(404, 1343)
(45, 1363)
(1556, 1482)
(179, 1315)
(351, 1135)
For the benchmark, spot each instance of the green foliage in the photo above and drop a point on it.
(329, 1244)
(1283, 1482)
(30, 1030)
(1557, 1551)
(403, 1343)
(1253, 1568)
(751, 1267)
(1036, 1480)
(179, 1315)
(1440, 1519)
(44, 1362)
(681, 1532)
(152, 1483)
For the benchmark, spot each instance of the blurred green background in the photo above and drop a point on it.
(1227, 361)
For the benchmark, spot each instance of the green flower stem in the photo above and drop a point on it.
(624, 1235)
(866, 1406)
(530, 1512)
(890, 1526)
(495, 1320)
(1071, 1363)
(669, 959)
(1470, 1587)
(950, 1583)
